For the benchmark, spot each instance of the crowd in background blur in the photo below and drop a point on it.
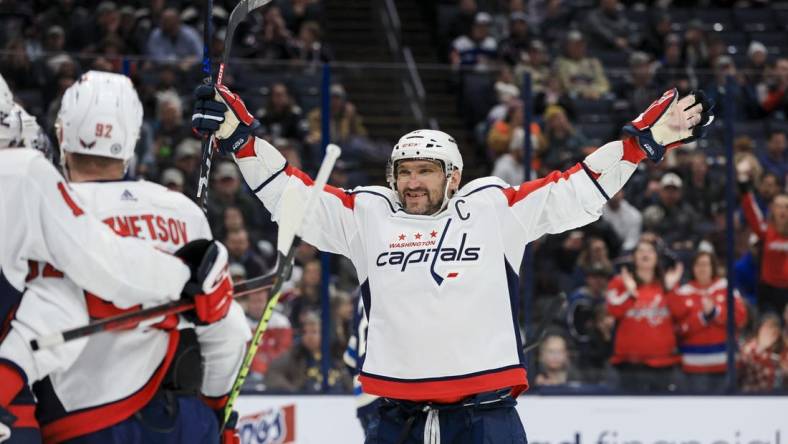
(645, 287)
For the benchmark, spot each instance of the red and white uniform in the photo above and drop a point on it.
(702, 338)
(441, 292)
(644, 327)
(41, 219)
(117, 373)
(774, 260)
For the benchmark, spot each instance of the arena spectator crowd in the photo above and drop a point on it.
(645, 287)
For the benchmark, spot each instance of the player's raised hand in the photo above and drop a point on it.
(210, 285)
(219, 111)
(671, 121)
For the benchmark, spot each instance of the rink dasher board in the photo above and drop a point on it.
(274, 419)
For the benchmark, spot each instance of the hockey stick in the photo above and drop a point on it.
(131, 319)
(238, 15)
(293, 214)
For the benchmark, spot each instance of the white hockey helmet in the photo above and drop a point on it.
(424, 144)
(100, 115)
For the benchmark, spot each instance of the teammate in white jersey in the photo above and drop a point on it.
(145, 383)
(41, 219)
(439, 264)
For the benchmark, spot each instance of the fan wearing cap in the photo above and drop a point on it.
(476, 48)
(136, 374)
(671, 217)
(438, 262)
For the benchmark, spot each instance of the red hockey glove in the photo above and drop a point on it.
(230, 434)
(670, 122)
(210, 285)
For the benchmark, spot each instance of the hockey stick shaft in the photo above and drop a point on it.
(286, 262)
(207, 142)
(131, 319)
(238, 15)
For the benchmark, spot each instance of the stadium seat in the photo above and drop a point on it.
(755, 20)
(306, 90)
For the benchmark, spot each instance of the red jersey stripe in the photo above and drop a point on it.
(516, 195)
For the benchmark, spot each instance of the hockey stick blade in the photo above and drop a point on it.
(131, 319)
(290, 223)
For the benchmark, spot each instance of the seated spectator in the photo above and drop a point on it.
(717, 87)
(581, 75)
(308, 47)
(555, 367)
(342, 311)
(672, 71)
(227, 191)
(278, 338)
(308, 292)
(755, 66)
(17, 68)
(762, 364)
(773, 235)
(595, 251)
(638, 91)
(106, 25)
(298, 12)
(589, 324)
(188, 155)
(607, 28)
(462, 22)
(240, 250)
(536, 62)
(515, 47)
(509, 167)
(696, 50)
(281, 117)
(625, 220)
(654, 39)
(555, 21)
(346, 123)
(775, 98)
(172, 178)
(173, 41)
(476, 49)
(671, 217)
(645, 344)
(700, 311)
(563, 142)
(768, 188)
(507, 92)
(299, 369)
(775, 159)
(272, 41)
(168, 129)
(702, 191)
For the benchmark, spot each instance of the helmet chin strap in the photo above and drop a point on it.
(445, 202)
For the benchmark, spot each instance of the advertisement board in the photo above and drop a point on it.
(547, 420)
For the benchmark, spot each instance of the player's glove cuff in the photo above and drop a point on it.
(670, 122)
(210, 285)
(219, 111)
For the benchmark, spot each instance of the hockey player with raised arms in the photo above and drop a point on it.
(438, 263)
(42, 219)
(52, 244)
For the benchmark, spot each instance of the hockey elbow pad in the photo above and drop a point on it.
(670, 122)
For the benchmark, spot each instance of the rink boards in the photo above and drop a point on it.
(548, 420)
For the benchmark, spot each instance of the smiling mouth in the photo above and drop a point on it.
(415, 194)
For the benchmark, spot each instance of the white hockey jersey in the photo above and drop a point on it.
(117, 373)
(41, 219)
(441, 292)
